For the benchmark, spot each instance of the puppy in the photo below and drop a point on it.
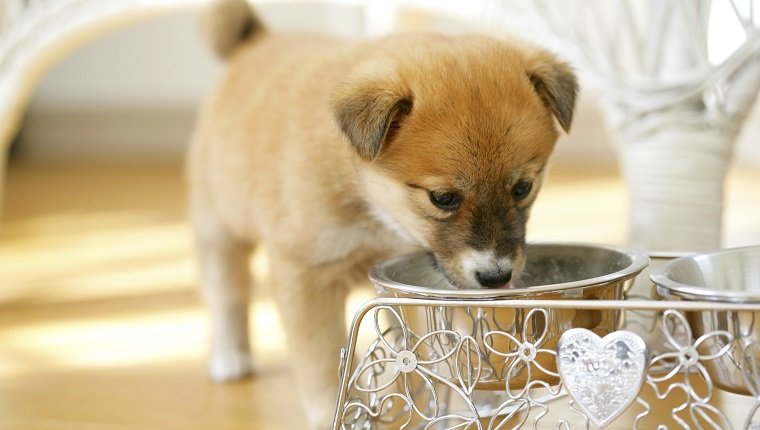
(334, 154)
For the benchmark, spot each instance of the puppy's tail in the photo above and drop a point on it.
(227, 23)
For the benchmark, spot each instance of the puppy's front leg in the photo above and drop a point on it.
(312, 305)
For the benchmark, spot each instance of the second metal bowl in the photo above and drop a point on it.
(727, 276)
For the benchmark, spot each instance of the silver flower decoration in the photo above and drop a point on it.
(524, 355)
(400, 357)
(686, 355)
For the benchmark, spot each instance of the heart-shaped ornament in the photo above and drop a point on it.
(603, 375)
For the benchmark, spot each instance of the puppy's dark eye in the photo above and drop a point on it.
(521, 190)
(444, 200)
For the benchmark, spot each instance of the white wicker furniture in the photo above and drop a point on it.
(34, 34)
(676, 108)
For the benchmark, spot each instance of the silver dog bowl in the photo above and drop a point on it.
(729, 276)
(553, 271)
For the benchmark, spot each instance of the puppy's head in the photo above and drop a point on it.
(452, 137)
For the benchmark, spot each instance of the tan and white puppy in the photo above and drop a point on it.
(334, 154)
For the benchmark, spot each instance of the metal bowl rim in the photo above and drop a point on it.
(639, 261)
(667, 286)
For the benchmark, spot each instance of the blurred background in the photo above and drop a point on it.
(132, 93)
(100, 323)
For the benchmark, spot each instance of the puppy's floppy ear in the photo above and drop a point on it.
(557, 86)
(370, 107)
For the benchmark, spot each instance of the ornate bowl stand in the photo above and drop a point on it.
(395, 378)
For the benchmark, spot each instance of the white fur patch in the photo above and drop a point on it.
(482, 261)
(389, 204)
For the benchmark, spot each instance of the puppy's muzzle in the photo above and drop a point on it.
(484, 269)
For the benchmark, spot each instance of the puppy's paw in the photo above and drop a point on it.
(230, 365)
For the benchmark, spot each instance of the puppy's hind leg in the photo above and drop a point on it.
(226, 280)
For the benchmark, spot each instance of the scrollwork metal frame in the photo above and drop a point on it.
(429, 380)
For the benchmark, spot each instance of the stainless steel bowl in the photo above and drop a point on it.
(553, 271)
(729, 276)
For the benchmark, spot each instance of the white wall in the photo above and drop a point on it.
(133, 94)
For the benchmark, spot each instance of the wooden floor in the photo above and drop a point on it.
(100, 324)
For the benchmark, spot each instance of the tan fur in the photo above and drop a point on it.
(324, 151)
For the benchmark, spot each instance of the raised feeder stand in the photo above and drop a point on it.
(428, 380)
(424, 361)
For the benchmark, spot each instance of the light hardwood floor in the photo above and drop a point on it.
(100, 323)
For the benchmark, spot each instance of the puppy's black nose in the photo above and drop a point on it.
(494, 279)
